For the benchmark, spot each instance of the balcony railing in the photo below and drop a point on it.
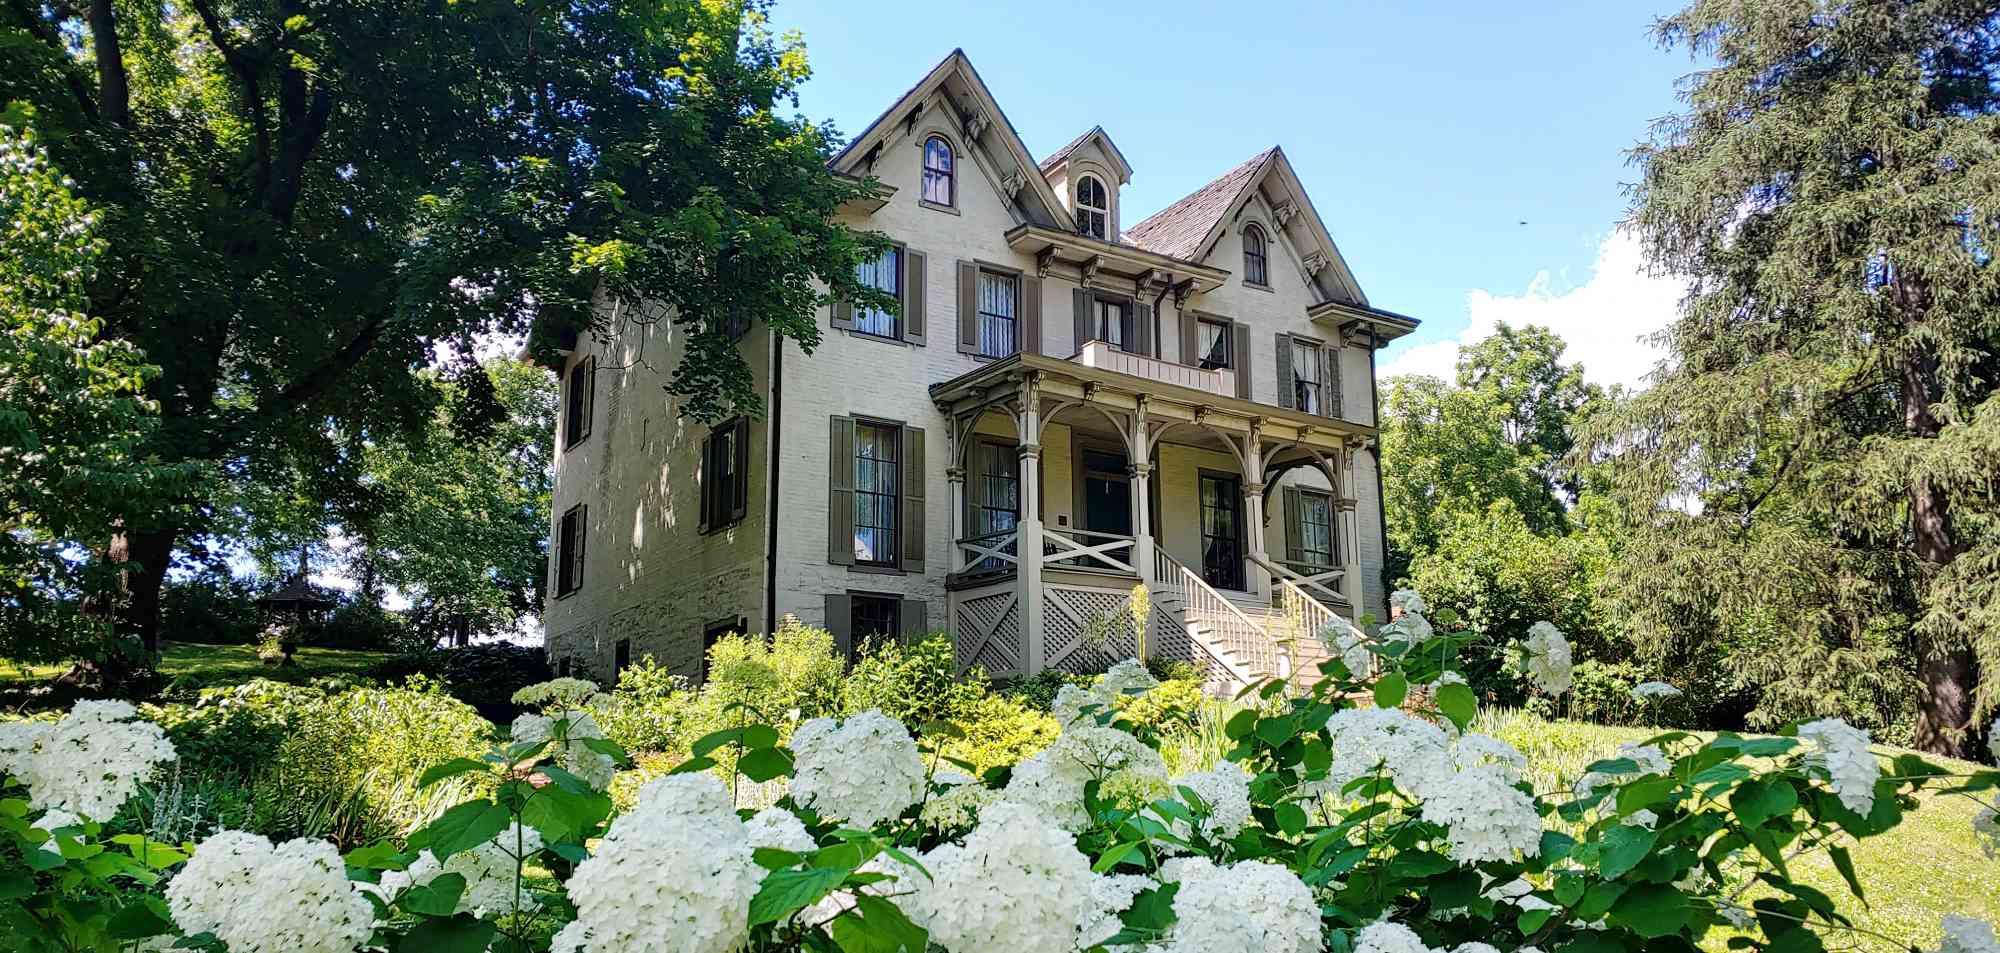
(1098, 354)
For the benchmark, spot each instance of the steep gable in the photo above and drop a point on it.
(1182, 230)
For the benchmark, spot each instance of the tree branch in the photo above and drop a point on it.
(320, 379)
(253, 95)
(114, 91)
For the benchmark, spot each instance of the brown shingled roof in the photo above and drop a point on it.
(1177, 230)
(1063, 153)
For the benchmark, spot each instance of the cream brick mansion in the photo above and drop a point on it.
(1070, 403)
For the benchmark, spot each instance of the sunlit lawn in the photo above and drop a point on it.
(190, 664)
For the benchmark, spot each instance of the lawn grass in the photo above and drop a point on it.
(188, 666)
(1929, 866)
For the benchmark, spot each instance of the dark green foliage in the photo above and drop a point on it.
(487, 676)
(1818, 456)
(211, 607)
(915, 683)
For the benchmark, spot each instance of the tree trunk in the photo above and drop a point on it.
(147, 555)
(1947, 671)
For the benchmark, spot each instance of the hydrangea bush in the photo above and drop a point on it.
(1361, 816)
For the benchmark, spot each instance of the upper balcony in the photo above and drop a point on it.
(1105, 356)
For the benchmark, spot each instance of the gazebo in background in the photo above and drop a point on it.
(288, 611)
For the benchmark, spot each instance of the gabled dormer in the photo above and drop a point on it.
(1086, 176)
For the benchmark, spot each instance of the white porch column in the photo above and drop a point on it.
(1142, 498)
(1029, 546)
(954, 476)
(1350, 552)
(1253, 511)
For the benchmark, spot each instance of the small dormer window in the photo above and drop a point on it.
(1256, 261)
(1093, 207)
(937, 171)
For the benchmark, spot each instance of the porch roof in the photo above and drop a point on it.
(1058, 378)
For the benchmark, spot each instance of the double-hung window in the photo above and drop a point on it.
(1308, 377)
(582, 391)
(724, 480)
(1213, 345)
(1093, 207)
(876, 619)
(996, 506)
(883, 274)
(569, 550)
(938, 179)
(1315, 529)
(999, 307)
(877, 493)
(1112, 324)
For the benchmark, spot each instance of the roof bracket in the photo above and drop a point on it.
(1089, 269)
(1044, 259)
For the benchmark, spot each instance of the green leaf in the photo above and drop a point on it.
(1645, 792)
(1623, 847)
(1757, 801)
(875, 925)
(435, 899)
(1652, 910)
(462, 828)
(786, 892)
(1531, 920)
(462, 933)
(1845, 864)
(759, 736)
(708, 743)
(561, 814)
(1390, 690)
(1291, 818)
(1110, 858)
(449, 769)
(1241, 724)
(1458, 704)
(763, 764)
(138, 921)
(693, 765)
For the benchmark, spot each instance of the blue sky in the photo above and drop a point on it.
(1426, 132)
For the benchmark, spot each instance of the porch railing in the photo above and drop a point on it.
(1220, 381)
(988, 553)
(1085, 549)
(1322, 582)
(1253, 652)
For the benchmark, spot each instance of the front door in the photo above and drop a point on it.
(1107, 494)
(1222, 531)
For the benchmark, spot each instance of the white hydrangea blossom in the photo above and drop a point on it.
(565, 692)
(1018, 883)
(1475, 948)
(1386, 937)
(672, 875)
(17, 743)
(1343, 639)
(1408, 601)
(489, 872)
(1474, 750)
(50, 822)
(1226, 791)
(93, 760)
(1448, 678)
(862, 770)
(259, 898)
(1641, 818)
(1654, 691)
(1488, 818)
(1649, 758)
(1128, 677)
(1410, 627)
(1548, 658)
(959, 807)
(1052, 781)
(573, 755)
(1253, 906)
(1110, 895)
(1986, 826)
(1843, 754)
(780, 829)
(1414, 752)
(1964, 934)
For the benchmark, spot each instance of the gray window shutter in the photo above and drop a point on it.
(1239, 357)
(1285, 396)
(1295, 525)
(742, 487)
(840, 492)
(913, 296)
(582, 542)
(968, 307)
(843, 314)
(1080, 299)
(840, 622)
(915, 618)
(1331, 354)
(707, 482)
(1143, 329)
(913, 499)
(1190, 338)
(1031, 315)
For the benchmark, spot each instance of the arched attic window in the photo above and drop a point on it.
(938, 182)
(1256, 256)
(1093, 207)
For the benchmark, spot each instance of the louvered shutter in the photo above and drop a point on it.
(582, 543)
(1144, 332)
(1286, 398)
(740, 486)
(840, 492)
(1031, 315)
(1190, 339)
(968, 307)
(1080, 300)
(1332, 378)
(840, 622)
(913, 499)
(1239, 358)
(915, 616)
(913, 296)
(1295, 526)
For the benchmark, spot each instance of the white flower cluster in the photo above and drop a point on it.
(1408, 601)
(1464, 785)
(1548, 658)
(1018, 883)
(1386, 937)
(572, 754)
(490, 871)
(17, 744)
(92, 761)
(1343, 639)
(1473, 750)
(1052, 781)
(777, 828)
(1110, 895)
(1226, 791)
(1654, 691)
(863, 770)
(1489, 819)
(564, 692)
(1128, 677)
(672, 875)
(1843, 754)
(259, 898)
(959, 806)
(1649, 759)
(1252, 906)
(1964, 934)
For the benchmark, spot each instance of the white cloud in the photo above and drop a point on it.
(1605, 320)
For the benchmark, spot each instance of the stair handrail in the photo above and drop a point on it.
(1196, 594)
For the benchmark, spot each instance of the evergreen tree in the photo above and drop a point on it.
(1816, 461)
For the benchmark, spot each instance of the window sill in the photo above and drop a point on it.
(869, 336)
(877, 570)
(1253, 286)
(724, 527)
(935, 207)
(560, 596)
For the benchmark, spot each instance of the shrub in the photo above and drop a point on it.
(794, 671)
(210, 607)
(650, 710)
(917, 683)
(997, 731)
(487, 676)
(1038, 691)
